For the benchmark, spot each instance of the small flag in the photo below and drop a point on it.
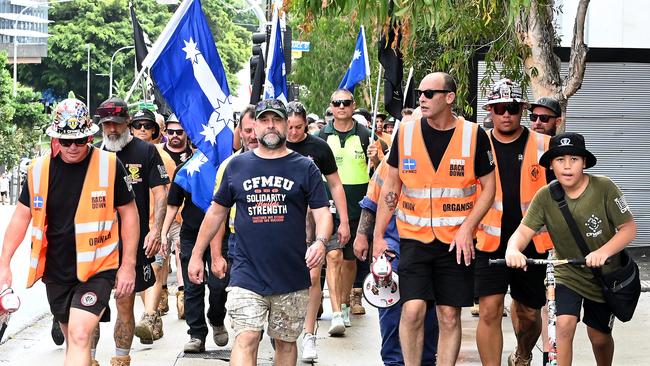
(198, 177)
(359, 68)
(275, 85)
(391, 60)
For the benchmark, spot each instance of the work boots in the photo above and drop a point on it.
(144, 328)
(163, 306)
(180, 303)
(355, 302)
(121, 361)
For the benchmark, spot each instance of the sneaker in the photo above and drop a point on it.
(517, 360)
(346, 315)
(220, 335)
(157, 327)
(337, 328)
(180, 304)
(144, 329)
(355, 302)
(163, 305)
(308, 347)
(121, 361)
(195, 345)
(474, 310)
(57, 334)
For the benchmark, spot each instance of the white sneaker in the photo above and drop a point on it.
(346, 315)
(337, 328)
(308, 347)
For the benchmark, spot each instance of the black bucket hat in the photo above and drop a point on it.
(568, 143)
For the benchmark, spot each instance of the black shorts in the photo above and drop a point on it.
(144, 277)
(92, 296)
(430, 272)
(348, 249)
(526, 287)
(597, 314)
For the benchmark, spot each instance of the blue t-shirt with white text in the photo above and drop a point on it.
(271, 198)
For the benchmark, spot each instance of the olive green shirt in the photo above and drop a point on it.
(599, 210)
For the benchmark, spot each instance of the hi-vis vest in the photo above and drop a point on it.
(533, 177)
(96, 229)
(434, 203)
(350, 159)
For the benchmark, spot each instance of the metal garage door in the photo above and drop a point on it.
(612, 111)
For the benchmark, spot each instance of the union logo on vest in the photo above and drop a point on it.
(38, 202)
(408, 165)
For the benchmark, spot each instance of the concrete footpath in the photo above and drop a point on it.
(28, 340)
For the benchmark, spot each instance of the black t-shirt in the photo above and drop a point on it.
(192, 215)
(179, 157)
(510, 156)
(437, 141)
(145, 170)
(63, 194)
(318, 151)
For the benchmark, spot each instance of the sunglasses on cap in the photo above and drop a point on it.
(511, 108)
(272, 103)
(112, 111)
(542, 117)
(171, 132)
(79, 142)
(429, 93)
(296, 107)
(342, 102)
(147, 125)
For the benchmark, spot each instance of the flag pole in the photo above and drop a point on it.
(408, 84)
(375, 111)
(135, 82)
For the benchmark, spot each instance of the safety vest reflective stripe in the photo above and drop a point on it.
(439, 192)
(33, 262)
(103, 169)
(467, 139)
(38, 164)
(491, 230)
(428, 222)
(37, 233)
(94, 226)
(102, 252)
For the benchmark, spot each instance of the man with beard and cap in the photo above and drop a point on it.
(73, 197)
(272, 188)
(545, 116)
(146, 171)
(518, 177)
(150, 328)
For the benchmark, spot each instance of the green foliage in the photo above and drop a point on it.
(321, 69)
(446, 35)
(106, 26)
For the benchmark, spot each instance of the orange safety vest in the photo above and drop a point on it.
(377, 181)
(434, 203)
(533, 177)
(170, 167)
(96, 228)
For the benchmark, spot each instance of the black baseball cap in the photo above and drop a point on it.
(547, 102)
(113, 110)
(144, 115)
(271, 105)
(568, 143)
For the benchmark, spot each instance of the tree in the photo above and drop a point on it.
(517, 38)
(106, 26)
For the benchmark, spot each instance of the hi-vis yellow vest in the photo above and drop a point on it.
(434, 203)
(350, 159)
(533, 177)
(96, 228)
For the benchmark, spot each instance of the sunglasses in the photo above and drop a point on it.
(342, 102)
(82, 141)
(147, 125)
(171, 132)
(272, 103)
(112, 111)
(511, 108)
(542, 117)
(429, 93)
(296, 107)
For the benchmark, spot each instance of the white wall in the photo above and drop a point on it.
(610, 23)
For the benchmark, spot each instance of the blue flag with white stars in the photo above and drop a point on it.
(359, 68)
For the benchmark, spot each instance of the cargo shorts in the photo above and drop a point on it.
(285, 313)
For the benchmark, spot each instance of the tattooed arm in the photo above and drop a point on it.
(364, 231)
(385, 209)
(152, 240)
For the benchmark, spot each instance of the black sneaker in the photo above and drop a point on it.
(57, 334)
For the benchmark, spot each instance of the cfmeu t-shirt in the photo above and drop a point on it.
(271, 196)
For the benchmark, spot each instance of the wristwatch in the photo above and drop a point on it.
(322, 240)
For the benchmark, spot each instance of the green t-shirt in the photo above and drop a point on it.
(599, 210)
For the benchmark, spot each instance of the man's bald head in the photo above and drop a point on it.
(442, 78)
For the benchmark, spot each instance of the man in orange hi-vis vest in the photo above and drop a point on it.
(436, 166)
(519, 176)
(72, 197)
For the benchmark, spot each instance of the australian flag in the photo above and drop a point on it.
(185, 64)
(359, 68)
(275, 85)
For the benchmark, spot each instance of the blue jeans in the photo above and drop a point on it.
(391, 351)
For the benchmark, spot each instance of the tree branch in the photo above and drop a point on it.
(573, 81)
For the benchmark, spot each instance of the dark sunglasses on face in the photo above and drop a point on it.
(147, 125)
(542, 117)
(79, 142)
(342, 102)
(171, 132)
(501, 108)
(429, 93)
